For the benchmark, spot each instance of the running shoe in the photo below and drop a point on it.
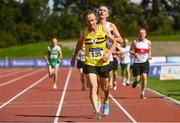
(123, 84)
(134, 84)
(142, 96)
(114, 86)
(99, 106)
(106, 109)
(55, 87)
(98, 115)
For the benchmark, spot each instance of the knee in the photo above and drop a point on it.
(94, 88)
(105, 88)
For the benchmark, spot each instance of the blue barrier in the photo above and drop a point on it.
(2, 63)
(154, 70)
(22, 63)
(31, 63)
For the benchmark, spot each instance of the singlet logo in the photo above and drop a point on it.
(93, 40)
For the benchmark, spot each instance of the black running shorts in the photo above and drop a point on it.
(139, 68)
(79, 64)
(115, 64)
(102, 71)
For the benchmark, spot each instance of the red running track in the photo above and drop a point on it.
(31, 98)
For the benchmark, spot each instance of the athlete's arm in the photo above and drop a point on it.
(116, 33)
(78, 47)
(46, 56)
(150, 51)
(60, 54)
(131, 51)
(113, 47)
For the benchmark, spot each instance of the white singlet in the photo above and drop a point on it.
(109, 43)
(126, 55)
(142, 50)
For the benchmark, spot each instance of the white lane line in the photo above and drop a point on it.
(21, 77)
(5, 71)
(123, 109)
(62, 97)
(13, 73)
(22, 92)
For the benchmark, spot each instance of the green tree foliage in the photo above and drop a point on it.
(27, 21)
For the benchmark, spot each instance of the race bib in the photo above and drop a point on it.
(95, 52)
(142, 57)
(53, 56)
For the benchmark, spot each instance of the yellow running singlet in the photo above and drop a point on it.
(95, 45)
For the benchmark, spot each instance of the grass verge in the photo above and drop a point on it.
(35, 50)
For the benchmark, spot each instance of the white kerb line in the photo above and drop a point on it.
(62, 97)
(123, 109)
(22, 92)
(21, 77)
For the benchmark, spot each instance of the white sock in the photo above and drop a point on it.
(142, 92)
(124, 80)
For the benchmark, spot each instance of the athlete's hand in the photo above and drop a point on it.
(47, 62)
(149, 58)
(59, 61)
(136, 55)
(105, 56)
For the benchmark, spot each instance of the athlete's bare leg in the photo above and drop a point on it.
(128, 75)
(111, 78)
(55, 76)
(82, 76)
(114, 79)
(93, 90)
(104, 83)
(50, 71)
(123, 74)
(144, 84)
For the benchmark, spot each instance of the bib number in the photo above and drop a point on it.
(53, 56)
(142, 57)
(96, 52)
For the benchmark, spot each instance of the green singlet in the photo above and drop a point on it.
(53, 53)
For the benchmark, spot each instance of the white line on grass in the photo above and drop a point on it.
(22, 92)
(164, 97)
(13, 80)
(62, 97)
(123, 109)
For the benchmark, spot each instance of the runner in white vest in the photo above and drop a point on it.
(110, 28)
(141, 49)
(125, 62)
(80, 64)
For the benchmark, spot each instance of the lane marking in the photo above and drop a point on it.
(21, 77)
(22, 92)
(123, 109)
(13, 73)
(6, 71)
(62, 97)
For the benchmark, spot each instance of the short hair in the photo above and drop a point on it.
(88, 12)
(142, 28)
(103, 4)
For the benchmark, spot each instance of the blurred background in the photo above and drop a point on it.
(29, 21)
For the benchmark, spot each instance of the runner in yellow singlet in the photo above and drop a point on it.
(96, 63)
(53, 56)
